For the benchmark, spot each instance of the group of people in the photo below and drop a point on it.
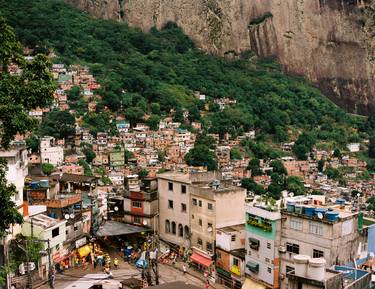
(105, 261)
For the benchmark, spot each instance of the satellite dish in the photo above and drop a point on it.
(72, 216)
(320, 215)
(115, 208)
(66, 216)
(209, 229)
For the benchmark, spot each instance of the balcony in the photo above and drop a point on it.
(142, 196)
(61, 201)
(264, 225)
(254, 244)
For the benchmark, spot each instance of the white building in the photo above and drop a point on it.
(50, 152)
(354, 147)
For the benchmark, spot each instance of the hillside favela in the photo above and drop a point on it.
(187, 144)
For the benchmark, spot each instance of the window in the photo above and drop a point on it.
(55, 232)
(209, 228)
(183, 189)
(194, 202)
(292, 248)
(183, 207)
(167, 226)
(233, 238)
(269, 270)
(173, 228)
(218, 254)
(210, 206)
(170, 186)
(209, 247)
(199, 241)
(200, 222)
(296, 224)
(180, 230)
(318, 254)
(75, 227)
(200, 203)
(137, 219)
(187, 232)
(137, 204)
(192, 216)
(316, 228)
(170, 204)
(268, 245)
(236, 262)
(267, 260)
(289, 270)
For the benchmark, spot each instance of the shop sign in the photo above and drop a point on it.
(59, 255)
(81, 242)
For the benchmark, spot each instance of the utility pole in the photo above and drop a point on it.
(51, 276)
(29, 280)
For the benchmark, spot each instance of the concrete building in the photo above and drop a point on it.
(230, 255)
(174, 205)
(263, 227)
(50, 152)
(320, 231)
(213, 205)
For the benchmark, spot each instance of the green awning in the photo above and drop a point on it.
(252, 266)
(223, 272)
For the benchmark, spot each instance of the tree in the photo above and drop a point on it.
(333, 173)
(295, 184)
(134, 115)
(278, 167)
(371, 165)
(337, 153)
(47, 168)
(161, 156)
(33, 87)
(153, 122)
(371, 147)
(86, 167)
(74, 93)
(32, 143)
(9, 214)
(206, 140)
(304, 145)
(201, 155)
(59, 124)
(19, 93)
(142, 173)
(254, 167)
(235, 154)
(321, 165)
(128, 155)
(252, 186)
(88, 152)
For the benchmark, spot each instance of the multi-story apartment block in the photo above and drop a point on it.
(50, 152)
(262, 244)
(230, 255)
(141, 202)
(309, 228)
(210, 209)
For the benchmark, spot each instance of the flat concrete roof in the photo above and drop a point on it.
(175, 176)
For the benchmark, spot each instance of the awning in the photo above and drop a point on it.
(204, 261)
(112, 228)
(252, 266)
(223, 272)
(251, 284)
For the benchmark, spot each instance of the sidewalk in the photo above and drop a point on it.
(191, 271)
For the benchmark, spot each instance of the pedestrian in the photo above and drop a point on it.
(207, 284)
(95, 263)
(115, 263)
(184, 268)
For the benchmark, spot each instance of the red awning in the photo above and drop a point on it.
(204, 261)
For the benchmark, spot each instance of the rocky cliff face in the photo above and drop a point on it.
(329, 41)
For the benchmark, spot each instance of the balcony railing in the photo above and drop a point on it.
(141, 196)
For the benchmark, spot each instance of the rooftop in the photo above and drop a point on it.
(45, 222)
(230, 229)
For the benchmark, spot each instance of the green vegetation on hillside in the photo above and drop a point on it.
(138, 71)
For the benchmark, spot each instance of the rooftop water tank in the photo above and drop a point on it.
(301, 262)
(316, 270)
(290, 206)
(309, 211)
(340, 202)
(320, 210)
(298, 209)
(332, 216)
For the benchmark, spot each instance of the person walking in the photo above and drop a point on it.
(207, 284)
(115, 263)
(184, 268)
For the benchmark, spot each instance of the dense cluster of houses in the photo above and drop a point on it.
(139, 177)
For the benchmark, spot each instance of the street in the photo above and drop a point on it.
(84, 278)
